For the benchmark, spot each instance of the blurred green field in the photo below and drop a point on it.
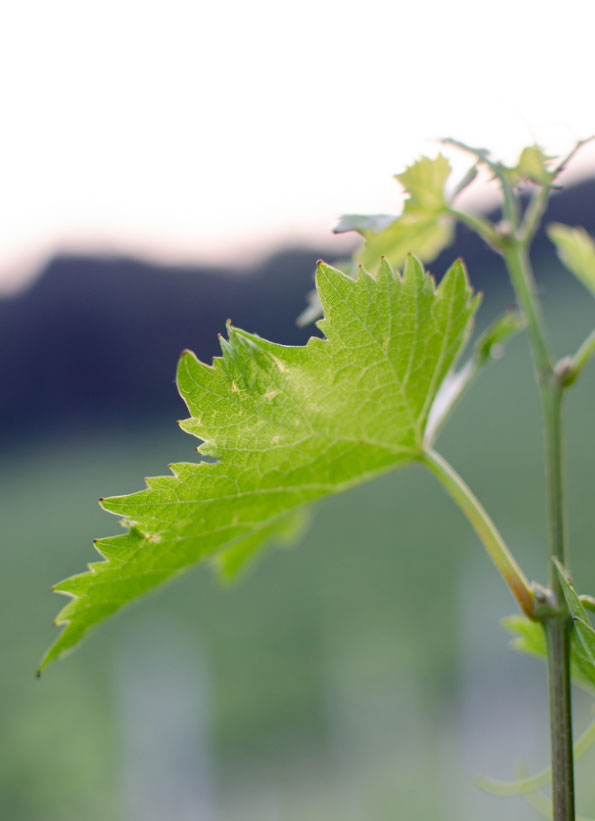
(361, 675)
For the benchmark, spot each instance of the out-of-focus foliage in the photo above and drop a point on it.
(488, 346)
(423, 228)
(576, 249)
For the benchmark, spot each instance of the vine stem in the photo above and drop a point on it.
(557, 627)
(485, 529)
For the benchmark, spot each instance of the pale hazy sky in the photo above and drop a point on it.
(199, 130)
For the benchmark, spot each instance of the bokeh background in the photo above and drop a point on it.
(165, 167)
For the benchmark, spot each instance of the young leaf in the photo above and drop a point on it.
(490, 343)
(288, 426)
(424, 226)
(426, 234)
(233, 560)
(530, 638)
(532, 165)
(528, 635)
(583, 633)
(488, 347)
(576, 249)
(363, 223)
(424, 181)
(312, 311)
(465, 181)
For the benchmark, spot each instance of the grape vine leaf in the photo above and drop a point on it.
(424, 226)
(576, 249)
(287, 426)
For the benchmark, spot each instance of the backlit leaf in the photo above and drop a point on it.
(424, 227)
(576, 249)
(425, 181)
(287, 426)
(532, 165)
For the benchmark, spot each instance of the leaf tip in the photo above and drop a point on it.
(185, 355)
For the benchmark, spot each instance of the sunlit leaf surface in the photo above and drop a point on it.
(282, 427)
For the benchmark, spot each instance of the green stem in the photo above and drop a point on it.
(517, 261)
(534, 213)
(485, 529)
(481, 226)
(558, 630)
(543, 806)
(557, 627)
(558, 646)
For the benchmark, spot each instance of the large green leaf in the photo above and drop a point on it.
(576, 249)
(287, 426)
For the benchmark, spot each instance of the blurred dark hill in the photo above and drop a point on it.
(95, 341)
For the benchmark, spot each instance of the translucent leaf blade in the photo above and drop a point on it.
(576, 249)
(533, 166)
(425, 181)
(287, 426)
(423, 234)
(424, 227)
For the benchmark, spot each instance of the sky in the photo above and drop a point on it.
(191, 131)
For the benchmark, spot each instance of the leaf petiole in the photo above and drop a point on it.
(485, 529)
(482, 227)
